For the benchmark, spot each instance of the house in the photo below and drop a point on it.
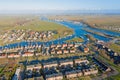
(66, 62)
(59, 52)
(76, 45)
(52, 46)
(37, 66)
(39, 46)
(55, 76)
(90, 71)
(38, 54)
(3, 55)
(44, 36)
(28, 54)
(64, 45)
(50, 64)
(70, 45)
(49, 35)
(33, 66)
(72, 51)
(117, 59)
(59, 45)
(71, 74)
(40, 35)
(16, 55)
(65, 51)
(56, 48)
(31, 50)
(108, 50)
(13, 54)
(79, 73)
(81, 60)
(29, 67)
(103, 46)
(86, 50)
(115, 54)
(94, 70)
(53, 52)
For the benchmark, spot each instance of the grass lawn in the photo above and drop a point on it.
(52, 56)
(75, 40)
(3, 61)
(116, 77)
(84, 78)
(115, 47)
(80, 78)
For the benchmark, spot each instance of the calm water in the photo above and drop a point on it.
(78, 32)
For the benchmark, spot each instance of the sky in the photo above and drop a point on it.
(12, 5)
(58, 4)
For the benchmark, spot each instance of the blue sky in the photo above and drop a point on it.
(58, 4)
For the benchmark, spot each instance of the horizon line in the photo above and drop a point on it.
(78, 11)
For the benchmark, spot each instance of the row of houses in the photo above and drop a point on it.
(36, 45)
(115, 57)
(32, 71)
(15, 55)
(59, 63)
(16, 35)
(17, 75)
(57, 70)
(39, 50)
(113, 27)
(102, 66)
